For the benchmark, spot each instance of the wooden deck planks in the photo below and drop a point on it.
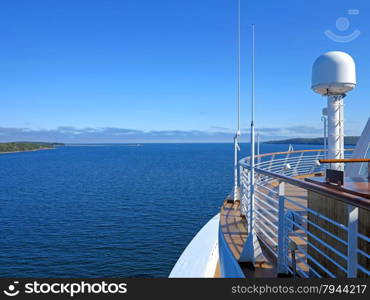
(234, 228)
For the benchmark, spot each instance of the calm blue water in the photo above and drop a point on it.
(108, 211)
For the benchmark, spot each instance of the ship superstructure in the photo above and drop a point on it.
(296, 213)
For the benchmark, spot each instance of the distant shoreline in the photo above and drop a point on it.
(16, 147)
(31, 150)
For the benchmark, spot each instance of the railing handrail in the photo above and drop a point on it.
(339, 195)
(344, 160)
(292, 152)
(280, 223)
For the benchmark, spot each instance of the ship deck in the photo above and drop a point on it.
(234, 229)
(318, 231)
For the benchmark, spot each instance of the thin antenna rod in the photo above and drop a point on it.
(236, 195)
(253, 66)
(251, 200)
(239, 66)
(252, 249)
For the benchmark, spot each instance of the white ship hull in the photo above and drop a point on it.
(200, 257)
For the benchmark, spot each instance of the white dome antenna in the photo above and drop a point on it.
(333, 75)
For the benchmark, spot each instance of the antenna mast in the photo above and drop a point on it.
(251, 200)
(252, 252)
(236, 195)
(238, 131)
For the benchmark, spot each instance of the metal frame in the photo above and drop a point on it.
(273, 223)
(362, 149)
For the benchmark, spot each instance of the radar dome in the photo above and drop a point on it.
(333, 73)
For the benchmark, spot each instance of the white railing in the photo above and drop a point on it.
(292, 231)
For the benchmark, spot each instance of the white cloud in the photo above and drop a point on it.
(70, 134)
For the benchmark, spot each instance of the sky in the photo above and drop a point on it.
(165, 71)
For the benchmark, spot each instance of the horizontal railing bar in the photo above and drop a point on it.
(272, 236)
(295, 171)
(325, 255)
(294, 157)
(296, 151)
(272, 250)
(264, 187)
(362, 269)
(315, 272)
(290, 152)
(275, 201)
(283, 161)
(302, 168)
(315, 213)
(314, 260)
(269, 221)
(265, 233)
(364, 237)
(264, 203)
(341, 196)
(317, 239)
(292, 166)
(299, 269)
(363, 253)
(320, 228)
(308, 256)
(266, 211)
(290, 158)
(341, 160)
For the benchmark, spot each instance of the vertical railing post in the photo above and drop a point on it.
(251, 202)
(271, 161)
(285, 165)
(243, 192)
(247, 193)
(315, 163)
(297, 166)
(282, 255)
(352, 241)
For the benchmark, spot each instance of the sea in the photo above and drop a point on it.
(118, 210)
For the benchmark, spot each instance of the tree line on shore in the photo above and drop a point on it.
(26, 146)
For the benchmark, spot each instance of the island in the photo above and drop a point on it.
(26, 146)
(348, 140)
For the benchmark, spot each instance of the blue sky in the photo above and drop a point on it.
(121, 71)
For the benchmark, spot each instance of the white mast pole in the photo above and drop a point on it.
(324, 118)
(236, 144)
(335, 130)
(258, 147)
(252, 251)
(251, 199)
(238, 131)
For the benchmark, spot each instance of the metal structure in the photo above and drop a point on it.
(333, 75)
(335, 129)
(252, 252)
(235, 193)
(362, 151)
(277, 225)
(324, 118)
(258, 146)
